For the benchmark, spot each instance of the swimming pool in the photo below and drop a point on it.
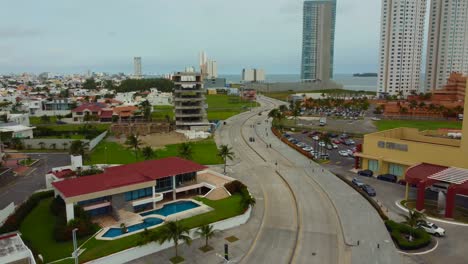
(173, 208)
(147, 222)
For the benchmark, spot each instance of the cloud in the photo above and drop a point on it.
(14, 33)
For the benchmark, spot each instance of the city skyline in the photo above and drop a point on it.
(58, 42)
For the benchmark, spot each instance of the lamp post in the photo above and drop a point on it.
(75, 253)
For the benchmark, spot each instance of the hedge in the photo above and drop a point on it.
(234, 186)
(14, 221)
(398, 231)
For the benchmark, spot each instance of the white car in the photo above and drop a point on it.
(375, 119)
(335, 146)
(350, 152)
(315, 138)
(308, 149)
(343, 153)
(432, 229)
(322, 144)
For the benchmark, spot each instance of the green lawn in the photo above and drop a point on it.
(37, 228)
(421, 125)
(224, 209)
(160, 112)
(204, 152)
(75, 127)
(283, 95)
(36, 120)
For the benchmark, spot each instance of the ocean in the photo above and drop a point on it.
(347, 80)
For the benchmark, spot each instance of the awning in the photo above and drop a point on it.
(451, 175)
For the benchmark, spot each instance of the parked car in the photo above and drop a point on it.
(336, 141)
(369, 190)
(349, 142)
(300, 144)
(387, 177)
(334, 145)
(308, 149)
(315, 138)
(322, 144)
(343, 153)
(366, 173)
(350, 152)
(329, 146)
(286, 135)
(324, 156)
(357, 182)
(431, 228)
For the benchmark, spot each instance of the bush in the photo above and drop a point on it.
(235, 187)
(14, 221)
(399, 231)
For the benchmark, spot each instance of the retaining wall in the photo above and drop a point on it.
(6, 212)
(34, 143)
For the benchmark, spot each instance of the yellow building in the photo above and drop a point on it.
(393, 151)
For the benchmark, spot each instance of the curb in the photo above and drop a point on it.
(397, 203)
(421, 253)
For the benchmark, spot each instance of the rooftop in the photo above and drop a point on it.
(119, 176)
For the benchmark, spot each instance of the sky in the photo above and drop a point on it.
(65, 36)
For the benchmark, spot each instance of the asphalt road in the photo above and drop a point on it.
(21, 187)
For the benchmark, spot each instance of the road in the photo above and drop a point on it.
(20, 188)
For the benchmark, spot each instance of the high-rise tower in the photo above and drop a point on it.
(447, 46)
(318, 38)
(401, 42)
(137, 66)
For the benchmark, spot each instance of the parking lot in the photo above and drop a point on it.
(335, 157)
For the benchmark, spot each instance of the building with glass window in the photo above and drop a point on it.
(394, 151)
(447, 46)
(318, 38)
(401, 43)
(135, 187)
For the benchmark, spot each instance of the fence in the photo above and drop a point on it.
(138, 252)
(60, 143)
(6, 212)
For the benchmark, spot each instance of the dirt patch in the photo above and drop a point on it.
(155, 140)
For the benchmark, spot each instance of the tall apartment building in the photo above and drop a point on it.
(401, 42)
(318, 39)
(253, 75)
(137, 66)
(211, 69)
(447, 46)
(189, 101)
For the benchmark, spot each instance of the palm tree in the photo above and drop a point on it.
(41, 144)
(185, 151)
(412, 219)
(225, 152)
(248, 200)
(65, 144)
(133, 142)
(207, 232)
(78, 147)
(53, 145)
(175, 231)
(148, 152)
(145, 107)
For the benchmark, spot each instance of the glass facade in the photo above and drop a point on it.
(164, 184)
(187, 177)
(396, 169)
(313, 38)
(94, 201)
(137, 194)
(374, 165)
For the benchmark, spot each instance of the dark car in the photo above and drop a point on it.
(387, 177)
(366, 173)
(286, 135)
(369, 190)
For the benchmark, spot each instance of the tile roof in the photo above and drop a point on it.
(422, 171)
(119, 176)
(93, 107)
(106, 114)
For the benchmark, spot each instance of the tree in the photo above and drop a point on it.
(412, 219)
(185, 151)
(175, 231)
(53, 145)
(145, 107)
(90, 84)
(65, 145)
(41, 144)
(207, 232)
(148, 153)
(247, 199)
(78, 147)
(225, 152)
(133, 142)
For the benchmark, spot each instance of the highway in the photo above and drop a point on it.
(307, 214)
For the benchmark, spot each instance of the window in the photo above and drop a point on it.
(164, 184)
(374, 165)
(396, 169)
(137, 194)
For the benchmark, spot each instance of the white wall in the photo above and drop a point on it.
(5, 212)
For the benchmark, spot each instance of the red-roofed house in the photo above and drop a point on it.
(133, 187)
(90, 110)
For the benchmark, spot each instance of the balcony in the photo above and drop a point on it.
(197, 90)
(96, 205)
(182, 107)
(150, 199)
(189, 115)
(196, 99)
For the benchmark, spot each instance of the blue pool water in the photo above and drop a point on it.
(148, 222)
(173, 208)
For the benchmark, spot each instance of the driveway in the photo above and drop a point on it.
(18, 188)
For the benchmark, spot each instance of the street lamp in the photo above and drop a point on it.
(75, 253)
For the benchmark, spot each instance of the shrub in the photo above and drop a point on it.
(14, 221)
(82, 221)
(235, 186)
(399, 231)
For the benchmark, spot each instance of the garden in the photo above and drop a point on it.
(52, 239)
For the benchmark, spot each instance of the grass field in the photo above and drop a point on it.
(37, 228)
(160, 112)
(283, 95)
(421, 125)
(204, 152)
(223, 209)
(36, 120)
(75, 127)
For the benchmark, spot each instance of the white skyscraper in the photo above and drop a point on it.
(447, 46)
(401, 42)
(212, 69)
(137, 66)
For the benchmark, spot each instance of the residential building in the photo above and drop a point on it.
(253, 75)
(249, 94)
(447, 47)
(92, 112)
(17, 131)
(133, 188)
(189, 101)
(401, 42)
(318, 38)
(259, 75)
(156, 97)
(14, 251)
(137, 67)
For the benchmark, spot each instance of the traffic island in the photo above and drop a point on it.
(410, 240)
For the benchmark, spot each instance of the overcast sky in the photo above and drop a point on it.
(67, 36)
